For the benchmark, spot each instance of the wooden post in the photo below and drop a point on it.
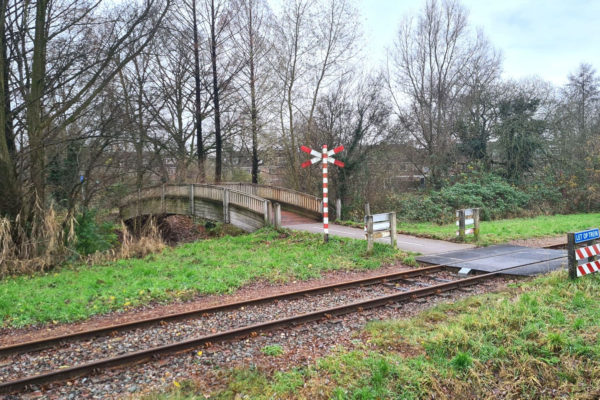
(369, 234)
(367, 209)
(393, 229)
(476, 221)
(572, 261)
(461, 225)
(226, 206)
(267, 206)
(338, 209)
(277, 216)
(192, 196)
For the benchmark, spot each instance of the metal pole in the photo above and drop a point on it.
(325, 199)
(338, 209)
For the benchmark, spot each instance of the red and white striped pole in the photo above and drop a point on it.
(324, 157)
(325, 197)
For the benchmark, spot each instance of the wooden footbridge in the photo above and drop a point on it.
(244, 205)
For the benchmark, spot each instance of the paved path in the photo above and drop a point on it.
(405, 242)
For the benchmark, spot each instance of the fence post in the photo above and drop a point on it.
(571, 255)
(461, 225)
(277, 215)
(367, 209)
(369, 234)
(393, 229)
(338, 209)
(226, 206)
(476, 222)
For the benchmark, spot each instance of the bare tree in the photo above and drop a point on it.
(256, 87)
(57, 72)
(426, 80)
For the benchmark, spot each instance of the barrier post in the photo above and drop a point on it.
(393, 229)
(572, 261)
(367, 209)
(461, 225)
(338, 209)
(476, 223)
(369, 234)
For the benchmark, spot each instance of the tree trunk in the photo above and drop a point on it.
(35, 129)
(253, 110)
(10, 200)
(213, 59)
(197, 108)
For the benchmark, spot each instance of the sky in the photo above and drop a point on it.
(545, 38)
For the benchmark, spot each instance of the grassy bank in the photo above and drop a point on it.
(219, 265)
(537, 340)
(508, 229)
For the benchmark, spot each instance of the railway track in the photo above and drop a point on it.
(389, 288)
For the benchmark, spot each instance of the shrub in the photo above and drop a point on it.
(93, 236)
(496, 197)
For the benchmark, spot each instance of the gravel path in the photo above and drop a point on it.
(79, 352)
(302, 345)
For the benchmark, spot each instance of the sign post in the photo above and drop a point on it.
(588, 253)
(324, 157)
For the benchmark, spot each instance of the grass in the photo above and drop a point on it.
(500, 231)
(272, 350)
(219, 265)
(537, 340)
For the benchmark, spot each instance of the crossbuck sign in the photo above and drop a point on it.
(324, 157)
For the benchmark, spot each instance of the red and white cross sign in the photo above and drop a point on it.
(325, 157)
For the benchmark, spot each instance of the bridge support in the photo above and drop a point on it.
(192, 205)
(226, 218)
(277, 215)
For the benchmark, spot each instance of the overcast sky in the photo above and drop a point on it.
(548, 38)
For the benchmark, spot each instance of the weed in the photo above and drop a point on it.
(273, 350)
(461, 361)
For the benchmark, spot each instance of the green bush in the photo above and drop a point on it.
(92, 236)
(496, 198)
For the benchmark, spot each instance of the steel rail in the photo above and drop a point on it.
(151, 353)
(250, 330)
(43, 343)
(53, 340)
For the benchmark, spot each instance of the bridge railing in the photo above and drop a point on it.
(228, 196)
(279, 194)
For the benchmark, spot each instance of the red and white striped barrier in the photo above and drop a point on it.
(588, 268)
(587, 252)
(324, 157)
(583, 260)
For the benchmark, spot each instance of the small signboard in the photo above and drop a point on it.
(584, 236)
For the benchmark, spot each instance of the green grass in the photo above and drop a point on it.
(272, 350)
(537, 340)
(219, 265)
(508, 229)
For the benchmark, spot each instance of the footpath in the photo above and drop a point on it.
(405, 242)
